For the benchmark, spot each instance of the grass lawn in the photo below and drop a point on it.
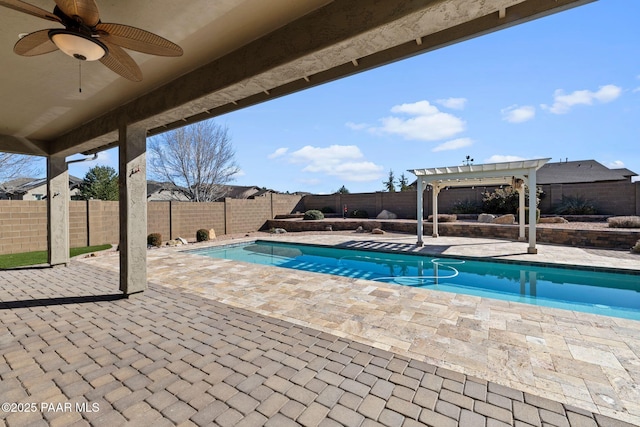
(40, 257)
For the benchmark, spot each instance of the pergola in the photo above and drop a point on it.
(517, 174)
(237, 53)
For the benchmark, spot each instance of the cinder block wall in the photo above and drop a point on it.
(610, 198)
(187, 218)
(23, 226)
(104, 224)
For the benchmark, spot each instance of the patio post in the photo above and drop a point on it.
(521, 210)
(420, 213)
(57, 210)
(133, 208)
(533, 206)
(436, 191)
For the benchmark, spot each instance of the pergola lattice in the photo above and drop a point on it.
(517, 174)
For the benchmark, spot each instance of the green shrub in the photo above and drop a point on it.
(466, 207)
(443, 218)
(358, 213)
(202, 235)
(624, 222)
(328, 210)
(575, 205)
(636, 248)
(313, 214)
(501, 201)
(154, 239)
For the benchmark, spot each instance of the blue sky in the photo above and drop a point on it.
(564, 86)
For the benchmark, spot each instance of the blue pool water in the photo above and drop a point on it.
(611, 294)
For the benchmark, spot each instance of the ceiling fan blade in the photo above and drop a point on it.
(30, 9)
(119, 61)
(36, 43)
(87, 10)
(136, 39)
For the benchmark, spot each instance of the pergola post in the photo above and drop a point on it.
(436, 191)
(420, 212)
(521, 211)
(533, 206)
(133, 209)
(57, 210)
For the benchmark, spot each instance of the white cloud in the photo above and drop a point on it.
(499, 158)
(356, 126)
(518, 114)
(428, 123)
(563, 103)
(342, 161)
(278, 153)
(453, 144)
(616, 164)
(239, 173)
(453, 103)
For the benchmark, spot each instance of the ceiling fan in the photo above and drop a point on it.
(86, 38)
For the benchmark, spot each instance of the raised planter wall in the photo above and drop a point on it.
(609, 239)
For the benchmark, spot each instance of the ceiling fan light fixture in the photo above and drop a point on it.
(78, 45)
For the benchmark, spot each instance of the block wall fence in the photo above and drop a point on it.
(610, 198)
(23, 224)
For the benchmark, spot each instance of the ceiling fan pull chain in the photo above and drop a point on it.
(80, 76)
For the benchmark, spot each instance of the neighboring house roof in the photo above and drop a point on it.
(580, 171)
(164, 191)
(20, 186)
(244, 192)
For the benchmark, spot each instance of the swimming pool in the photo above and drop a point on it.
(611, 294)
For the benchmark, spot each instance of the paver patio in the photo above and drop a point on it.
(215, 342)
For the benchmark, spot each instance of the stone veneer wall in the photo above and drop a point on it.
(23, 224)
(611, 239)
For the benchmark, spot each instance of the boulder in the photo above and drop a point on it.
(280, 231)
(505, 219)
(360, 229)
(385, 214)
(212, 234)
(377, 231)
(553, 220)
(487, 218)
(182, 241)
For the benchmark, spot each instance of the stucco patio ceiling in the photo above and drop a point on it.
(236, 53)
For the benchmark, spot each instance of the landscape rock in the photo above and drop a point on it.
(360, 229)
(328, 228)
(486, 218)
(182, 241)
(212, 234)
(385, 214)
(553, 220)
(280, 231)
(377, 231)
(505, 219)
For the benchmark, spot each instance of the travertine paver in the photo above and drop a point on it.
(171, 357)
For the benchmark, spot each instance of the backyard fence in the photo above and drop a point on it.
(23, 224)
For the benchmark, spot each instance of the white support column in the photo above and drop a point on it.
(133, 209)
(532, 212)
(436, 190)
(521, 212)
(420, 212)
(57, 210)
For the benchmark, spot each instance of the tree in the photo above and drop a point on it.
(403, 182)
(15, 166)
(198, 158)
(390, 183)
(342, 190)
(100, 182)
